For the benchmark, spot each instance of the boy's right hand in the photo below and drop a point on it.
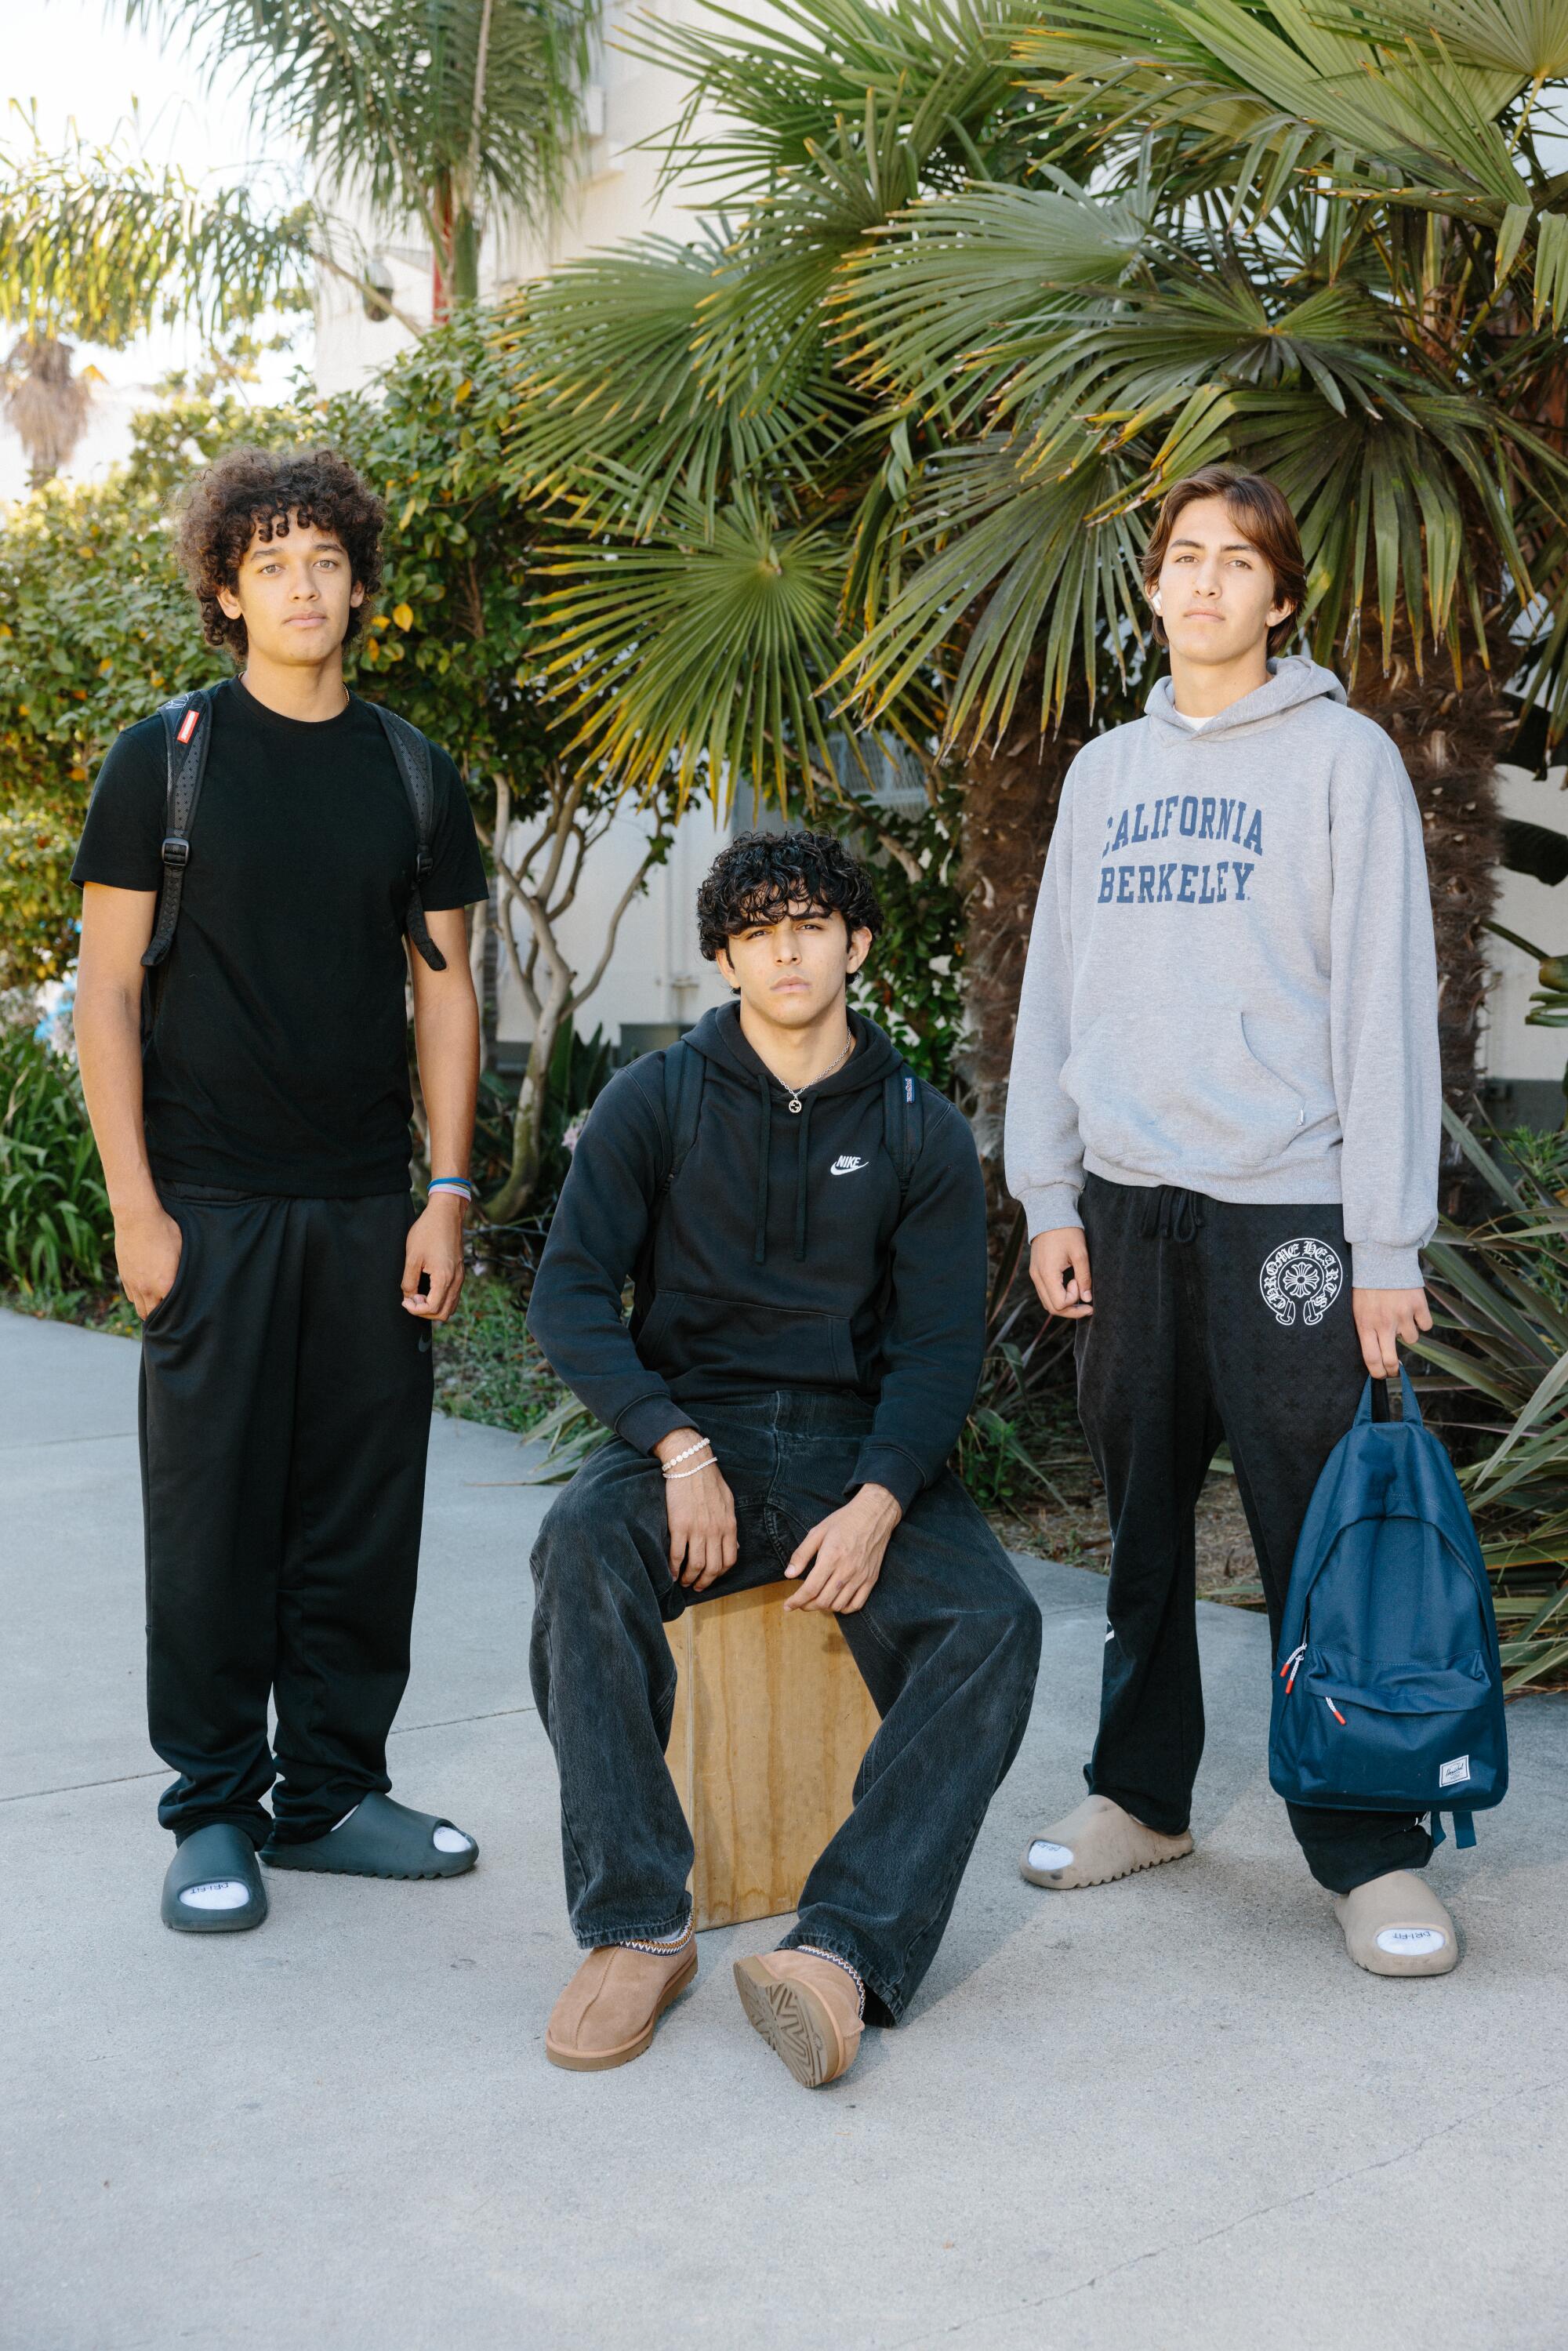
(147, 1245)
(1059, 1268)
(701, 1514)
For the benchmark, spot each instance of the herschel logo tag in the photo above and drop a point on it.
(1451, 1773)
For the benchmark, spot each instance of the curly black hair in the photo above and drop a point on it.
(762, 876)
(258, 489)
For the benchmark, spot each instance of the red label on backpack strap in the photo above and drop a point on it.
(187, 725)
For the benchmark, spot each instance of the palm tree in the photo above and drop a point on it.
(731, 498)
(926, 353)
(435, 110)
(1343, 260)
(45, 403)
(96, 245)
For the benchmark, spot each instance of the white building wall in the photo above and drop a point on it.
(1510, 1051)
(657, 978)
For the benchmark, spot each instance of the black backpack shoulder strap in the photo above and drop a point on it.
(187, 733)
(685, 1071)
(903, 1124)
(411, 749)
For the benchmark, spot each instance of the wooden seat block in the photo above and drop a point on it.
(771, 1721)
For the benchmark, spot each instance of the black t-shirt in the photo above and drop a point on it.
(278, 1061)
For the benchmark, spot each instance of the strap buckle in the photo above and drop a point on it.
(176, 851)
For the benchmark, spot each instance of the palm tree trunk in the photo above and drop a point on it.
(1450, 736)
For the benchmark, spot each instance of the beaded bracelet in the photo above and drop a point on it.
(674, 1476)
(675, 1458)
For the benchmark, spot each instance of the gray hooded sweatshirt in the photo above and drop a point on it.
(1232, 984)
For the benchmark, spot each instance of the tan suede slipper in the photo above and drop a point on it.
(805, 2009)
(1094, 1846)
(608, 2012)
(1395, 1926)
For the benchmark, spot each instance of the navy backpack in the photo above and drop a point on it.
(1389, 1692)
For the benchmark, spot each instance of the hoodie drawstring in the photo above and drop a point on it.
(764, 1137)
(1172, 1214)
(800, 1179)
(764, 1144)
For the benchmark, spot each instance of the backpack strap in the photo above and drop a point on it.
(1464, 1830)
(187, 732)
(903, 1125)
(685, 1071)
(411, 749)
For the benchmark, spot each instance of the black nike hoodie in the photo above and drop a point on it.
(780, 1258)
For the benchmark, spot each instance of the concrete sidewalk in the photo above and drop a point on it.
(1162, 2115)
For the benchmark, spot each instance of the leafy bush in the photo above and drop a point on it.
(1500, 1357)
(580, 1069)
(96, 628)
(913, 984)
(56, 1230)
(487, 1366)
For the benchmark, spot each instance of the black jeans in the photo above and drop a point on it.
(948, 1643)
(1211, 1321)
(285, 1400)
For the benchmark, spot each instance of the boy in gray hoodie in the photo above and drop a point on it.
(1223, 1122)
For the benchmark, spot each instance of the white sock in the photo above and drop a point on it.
(1044, 1854)
(217, 1893)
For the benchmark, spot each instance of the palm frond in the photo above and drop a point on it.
(403, 99)
(762, 99)
(618, 415)
(699, 652)
(99, 246)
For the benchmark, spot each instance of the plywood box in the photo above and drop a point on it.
(771, 1721)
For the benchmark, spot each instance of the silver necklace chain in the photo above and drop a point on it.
(795, 1092)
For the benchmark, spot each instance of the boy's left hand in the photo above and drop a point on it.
(434, 1249)
(847, 1546)
(1386, 1319)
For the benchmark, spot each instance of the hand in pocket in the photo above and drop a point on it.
(148, 1246)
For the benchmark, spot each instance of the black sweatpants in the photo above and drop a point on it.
(286, 1398)
(1210, 1321)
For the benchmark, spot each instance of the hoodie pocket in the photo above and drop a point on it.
(688, 1331)
(1173, 1092)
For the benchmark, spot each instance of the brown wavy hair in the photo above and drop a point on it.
(1260, 512)
(251, 490)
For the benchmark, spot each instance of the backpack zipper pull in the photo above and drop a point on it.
(1289, 1670)
(1331, 1707)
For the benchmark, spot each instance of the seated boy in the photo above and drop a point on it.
(806, 1335)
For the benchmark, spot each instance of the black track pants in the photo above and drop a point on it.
(286, 1398)
(1210, 1321)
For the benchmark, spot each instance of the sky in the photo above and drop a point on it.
(76, 61)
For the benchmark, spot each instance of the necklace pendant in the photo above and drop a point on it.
(795, 1106)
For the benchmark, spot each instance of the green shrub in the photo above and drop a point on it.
(1499, 1359)
(912, 984)
(487, 1366)
(56, 1231)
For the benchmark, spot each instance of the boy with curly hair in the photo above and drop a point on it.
(805, 1226)
(255, 1142)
